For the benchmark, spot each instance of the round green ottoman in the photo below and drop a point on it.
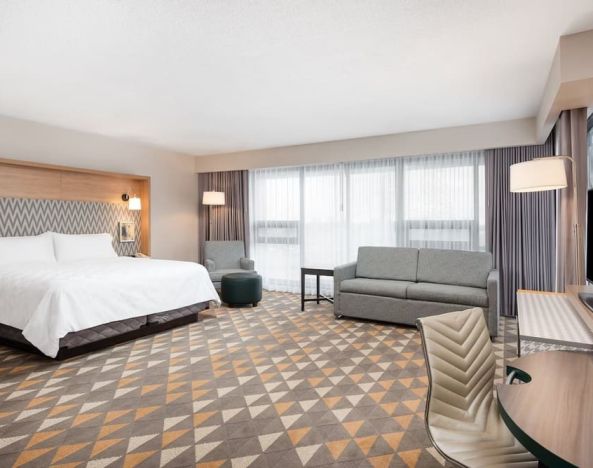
(240, 289)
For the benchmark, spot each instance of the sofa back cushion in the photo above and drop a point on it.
(393, 263)
(457, 267)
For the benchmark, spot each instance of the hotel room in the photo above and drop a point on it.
(352, 233)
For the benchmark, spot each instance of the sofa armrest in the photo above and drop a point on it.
(493, 290)
(341, 273)
(247, 264)
(344, 272)
(210, 265)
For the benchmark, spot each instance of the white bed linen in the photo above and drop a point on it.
(48, 300)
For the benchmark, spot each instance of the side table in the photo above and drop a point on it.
(318, 272)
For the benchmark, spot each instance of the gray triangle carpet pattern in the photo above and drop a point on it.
(29, 217)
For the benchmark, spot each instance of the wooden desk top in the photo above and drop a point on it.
(552, 415)
(558, 318)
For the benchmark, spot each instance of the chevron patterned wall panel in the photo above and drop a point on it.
(28, 217)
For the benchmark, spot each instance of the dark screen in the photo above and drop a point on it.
(589, 236)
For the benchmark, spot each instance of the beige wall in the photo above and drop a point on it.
(471, 137)
(173, 181)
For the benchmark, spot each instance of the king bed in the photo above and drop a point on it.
(63, 295)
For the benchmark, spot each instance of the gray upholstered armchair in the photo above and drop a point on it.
(224, 257)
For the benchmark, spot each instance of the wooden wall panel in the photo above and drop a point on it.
(144, 195)
(26, 182)
(90, 187)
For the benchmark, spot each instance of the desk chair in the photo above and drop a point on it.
(462, 417)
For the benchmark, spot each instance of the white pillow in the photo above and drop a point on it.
(27, 249)
(69, 247)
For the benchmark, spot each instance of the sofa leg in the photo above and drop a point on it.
(339, 316)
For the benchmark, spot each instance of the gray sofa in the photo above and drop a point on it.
(224, 257)
(399, 285)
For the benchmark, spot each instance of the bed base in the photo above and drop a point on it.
(70, 352)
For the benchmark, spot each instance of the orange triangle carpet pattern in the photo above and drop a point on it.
(261, 387)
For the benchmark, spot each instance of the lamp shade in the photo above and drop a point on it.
(134, 203)
(538, 175)
(213, 198)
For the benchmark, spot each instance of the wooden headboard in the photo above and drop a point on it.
(23, 179)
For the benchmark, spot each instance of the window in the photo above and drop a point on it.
(319, 215)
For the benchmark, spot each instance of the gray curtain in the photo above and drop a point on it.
(520, 227)
(571, 140)
(230, 221)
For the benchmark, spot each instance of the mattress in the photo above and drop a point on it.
(47, 301)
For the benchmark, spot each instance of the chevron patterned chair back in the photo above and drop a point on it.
(462, 417)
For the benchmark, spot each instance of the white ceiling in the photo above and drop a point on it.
(209, 76)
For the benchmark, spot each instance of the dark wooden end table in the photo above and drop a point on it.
(318, 272)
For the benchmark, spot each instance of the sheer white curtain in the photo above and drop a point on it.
(372, 204)
(323, 216)
(323, 220)
(319, 215)
(443, 202)
(275, 227)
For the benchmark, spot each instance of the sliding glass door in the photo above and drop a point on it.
(319, 215)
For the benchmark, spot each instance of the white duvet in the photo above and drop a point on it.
(48, 300)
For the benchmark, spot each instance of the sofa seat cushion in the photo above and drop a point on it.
(448, 293)
(376, 287)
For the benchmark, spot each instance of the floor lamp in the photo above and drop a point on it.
(549, 173)
(211, 199)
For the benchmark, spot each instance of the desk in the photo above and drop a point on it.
(316, 272)
(554, 318)
(552, 414)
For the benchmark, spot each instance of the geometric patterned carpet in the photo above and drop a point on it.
(262, 387)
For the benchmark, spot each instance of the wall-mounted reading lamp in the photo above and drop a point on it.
(134, 202)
